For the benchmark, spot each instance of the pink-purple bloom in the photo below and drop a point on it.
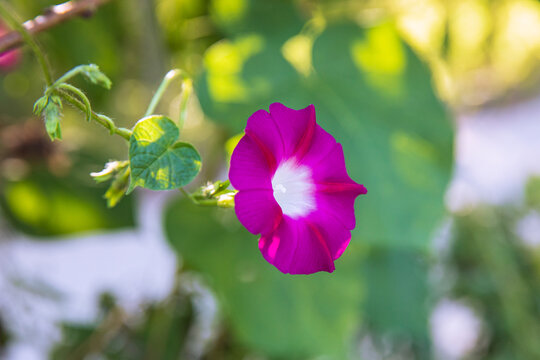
(8, 59)
(294, 190)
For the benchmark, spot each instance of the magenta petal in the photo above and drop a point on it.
(257, 210)
(340, 205)
(297, 128)
(336, 191)
(322, 144)
(249, 168)
(297, 247)
(312, 254)
(9, 59)
(331, 169)
(262, 129)
(336, 236)
(278, 247)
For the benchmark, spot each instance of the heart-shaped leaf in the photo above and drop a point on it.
(157, 160)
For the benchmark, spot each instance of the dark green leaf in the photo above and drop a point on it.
(291, 317)
(397, 294)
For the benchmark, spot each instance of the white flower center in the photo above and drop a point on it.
(293, 189)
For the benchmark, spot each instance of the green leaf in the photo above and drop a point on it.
(94, 74)
(50, 107)
(157, 160)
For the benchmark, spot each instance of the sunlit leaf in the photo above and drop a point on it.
(157, 160)
(46, 205)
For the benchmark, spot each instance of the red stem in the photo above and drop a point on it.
(53, 16)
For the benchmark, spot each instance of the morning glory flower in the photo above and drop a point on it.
(294, 190)
(8, 59)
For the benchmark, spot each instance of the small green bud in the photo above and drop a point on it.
(40, 104)
(118, 188)
(52, 113)
(92, 73)
(213, 189)
(226, 200)
(111, 168)
(221, 186)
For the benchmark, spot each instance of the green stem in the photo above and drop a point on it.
(10, 17)
(187, 89)
(223, 201)
(207, 202)
(171, 75)
(81, 96)
(203, 202)
(99, 118)
(186, 194)
(67, 76)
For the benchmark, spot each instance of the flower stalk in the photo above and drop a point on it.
(215, 194)
(167, 80)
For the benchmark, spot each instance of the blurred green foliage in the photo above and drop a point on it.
(402, 316)
(4, 337)
(47, 205)
(363, 65)
(158, 333)
(532, 193)
(499, 274)
(269, 312)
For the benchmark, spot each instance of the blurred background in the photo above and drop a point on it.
(437, 105)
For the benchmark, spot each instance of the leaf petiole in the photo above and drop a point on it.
(167, 80)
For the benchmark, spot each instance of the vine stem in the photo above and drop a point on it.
(103, 120)
(69, 75)
(81, 96)
(10, 16)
